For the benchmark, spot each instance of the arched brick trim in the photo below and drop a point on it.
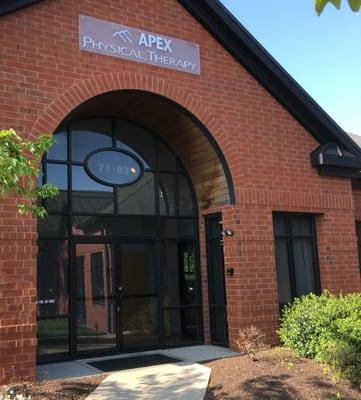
(84, 90)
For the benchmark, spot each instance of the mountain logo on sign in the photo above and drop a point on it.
(124, 34)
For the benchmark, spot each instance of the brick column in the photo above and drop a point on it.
(337, 249)
(252, 291)
(17, 294)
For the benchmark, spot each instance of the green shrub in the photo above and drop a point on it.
(343, 357)
(326, 328)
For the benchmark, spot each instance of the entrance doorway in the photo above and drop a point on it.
(117, 296)
(118, 260)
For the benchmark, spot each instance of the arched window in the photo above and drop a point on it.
(118, 182)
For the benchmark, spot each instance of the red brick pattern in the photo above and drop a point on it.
(17, 292)
(44, 76)
(357, 201)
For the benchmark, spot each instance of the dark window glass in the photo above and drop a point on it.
(186, 229)
(169, 228)
(185, 196)
(216, 280)
(182, 229)
(57, 174)
(166, 160)
(81, 181)
(304, 266)
(89, 135)
(59, 150)
(97, 277)
(113, 226)
(139, 278)
(217, 289)
(80, 290)
(117, 285)
(166, 194)
(53, 226)
(89, 196)
(137, 141)
(358, 233)
(179, 273)
(300, 226)
(138, 198)
(180, 167)
(219, 326)
(95, 305)
(138, 269)
(80, 278)
(295, 253)
(140, 322)
(280, 225)
(283, 271)
(181, 326)
(52, 297)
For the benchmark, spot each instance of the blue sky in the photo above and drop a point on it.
(322, 53)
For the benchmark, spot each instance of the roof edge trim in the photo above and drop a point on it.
(9, 6)
(230, 33)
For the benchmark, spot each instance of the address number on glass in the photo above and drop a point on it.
(114, 167)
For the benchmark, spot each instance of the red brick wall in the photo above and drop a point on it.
(357, 202)
(17, 293)
(44, 76)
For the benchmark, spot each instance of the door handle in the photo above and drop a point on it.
(121, 291)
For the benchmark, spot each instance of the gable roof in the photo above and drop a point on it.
(229, 32)
(8, 6)
(259, 63)
(355, 138)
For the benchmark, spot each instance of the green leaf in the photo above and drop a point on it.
(19, 169)
(321, 4)
(27, 209)
(355, 5)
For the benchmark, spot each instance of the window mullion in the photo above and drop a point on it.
(291, 259)
(315, 259)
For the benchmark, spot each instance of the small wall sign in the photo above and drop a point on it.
(113, 167)
(116, 40)
(45, 301)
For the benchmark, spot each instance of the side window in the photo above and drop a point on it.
(358, 233)
(296, 256)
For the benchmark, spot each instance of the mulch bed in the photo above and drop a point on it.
(277, 375)
(64, 389)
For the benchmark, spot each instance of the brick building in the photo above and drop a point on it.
(200, 187)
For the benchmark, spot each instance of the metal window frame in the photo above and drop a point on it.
(209, 240)
(289, 237)
(157, 239)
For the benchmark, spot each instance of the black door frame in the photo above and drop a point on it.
(177, 170)
(116, 242)
(211, 304)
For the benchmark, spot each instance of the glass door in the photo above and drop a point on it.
(95, 301)
(116, 304)
(139, 307)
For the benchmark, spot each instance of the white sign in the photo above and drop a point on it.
(103, 37)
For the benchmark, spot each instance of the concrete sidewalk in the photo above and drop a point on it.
(185, 380)
(182, 381)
